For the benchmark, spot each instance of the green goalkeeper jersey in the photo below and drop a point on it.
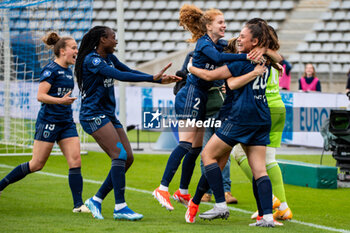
(273, 96)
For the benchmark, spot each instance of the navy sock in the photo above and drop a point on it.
(16, 174)
(265, 194)
(257, 199)
(188, 166)
(105, 188)
(202, 187)
(174, 162)
(214, 177)
(118, 180)
(75, 181)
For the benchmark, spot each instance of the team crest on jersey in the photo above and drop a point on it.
(96, 61)
(46, 73)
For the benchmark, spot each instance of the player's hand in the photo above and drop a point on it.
(278, 67)
(223, 89)
(260, 69)
(256, 55)
(160, 74)
(348, 94)
(170, 78)
(66, 99)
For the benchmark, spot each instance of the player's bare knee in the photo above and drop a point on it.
(207, 160)
(75, 161)
(257, 173)
(35, 166)
(113, 153)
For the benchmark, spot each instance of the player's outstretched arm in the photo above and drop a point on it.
(125, 76)
(211, 75)
(240, 81)
(166, 78)
(256, 55)
(220, 57)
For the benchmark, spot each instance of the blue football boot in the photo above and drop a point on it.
(127, 214)
(94, 207)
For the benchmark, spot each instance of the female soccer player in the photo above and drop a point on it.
(96, 70)
(55, 119)
(278, 115)
(248, 123)
(207, 29)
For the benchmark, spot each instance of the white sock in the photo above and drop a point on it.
(163, 188)
(120, 206)
(283, 206)
(221, 205)
(268, 217)
(99, 200)
(184, 191)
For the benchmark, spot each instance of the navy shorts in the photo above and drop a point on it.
(94, 123)
(252, 135)
(48, 132)
(190, 103)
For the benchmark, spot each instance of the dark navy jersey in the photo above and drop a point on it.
(248, 103)
(62, 82)
(218, 83)
(98, 84)
(208, 55)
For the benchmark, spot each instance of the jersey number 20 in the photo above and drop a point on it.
(260, 82)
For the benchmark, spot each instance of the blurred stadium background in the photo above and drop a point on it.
(316, 31)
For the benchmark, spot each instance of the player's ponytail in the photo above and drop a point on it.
(190, 17)
(274, 44)
(195, 20)
(90, 41)
(55, 42)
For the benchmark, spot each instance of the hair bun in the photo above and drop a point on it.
(51, 38)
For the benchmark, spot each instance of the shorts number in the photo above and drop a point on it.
(197, 103)
(50, 126)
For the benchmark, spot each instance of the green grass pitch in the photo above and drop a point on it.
(43, 203)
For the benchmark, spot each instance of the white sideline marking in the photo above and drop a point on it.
(149, 192)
